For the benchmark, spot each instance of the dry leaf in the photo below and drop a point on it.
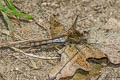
(111, 52)
(75, 57)
(108, 40)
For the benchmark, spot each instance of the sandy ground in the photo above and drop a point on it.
(93, 15)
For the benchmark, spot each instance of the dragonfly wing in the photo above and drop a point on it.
(56, 28)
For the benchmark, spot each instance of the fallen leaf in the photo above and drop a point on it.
(75, 57)
(111, 52)
(107, 39)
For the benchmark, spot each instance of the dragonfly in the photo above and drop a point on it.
(58, 33)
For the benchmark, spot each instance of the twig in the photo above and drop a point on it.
(31, 55)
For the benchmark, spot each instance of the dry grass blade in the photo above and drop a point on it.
(10, 26)
(31, 55)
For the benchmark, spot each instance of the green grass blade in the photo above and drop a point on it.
(10, 26)
(16, 13)
(10, 4)
(1, 5)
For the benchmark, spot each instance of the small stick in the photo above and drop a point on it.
(31, 55)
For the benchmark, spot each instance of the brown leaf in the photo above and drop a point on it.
(111, 52)
(75, 57)
(107, 39)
